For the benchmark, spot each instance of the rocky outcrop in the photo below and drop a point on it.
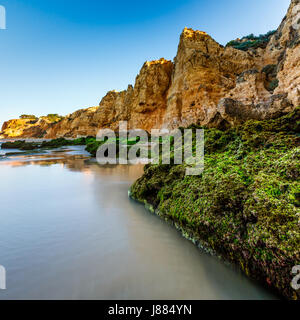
(78, 123)
(204, 72)
(26, 128)
(150, 95)
(244, 207)
(207, 84)
(262, 83)
(235, 112)
(142, 106)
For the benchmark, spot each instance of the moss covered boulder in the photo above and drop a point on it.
(246, 204)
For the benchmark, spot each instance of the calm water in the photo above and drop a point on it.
(69, 231)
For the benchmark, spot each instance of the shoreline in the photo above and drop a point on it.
(204, 246)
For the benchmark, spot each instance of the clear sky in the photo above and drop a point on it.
(57, 56)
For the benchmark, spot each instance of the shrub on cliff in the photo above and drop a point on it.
(28, 116)
(245, 205)
(251, 41)
(54, 117)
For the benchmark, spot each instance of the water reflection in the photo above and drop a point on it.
(69, 231)
(75, 159)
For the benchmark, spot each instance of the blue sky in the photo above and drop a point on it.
(57, 56)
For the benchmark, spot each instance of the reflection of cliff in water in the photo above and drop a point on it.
(72, 159)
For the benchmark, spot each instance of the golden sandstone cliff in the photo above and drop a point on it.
(207, 84)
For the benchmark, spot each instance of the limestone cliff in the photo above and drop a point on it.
(26, 128)
(207, 83)
(204, 73)
(143, 105)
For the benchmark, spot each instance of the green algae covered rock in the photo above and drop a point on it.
(62, 142)
(20, 144)
(246, 204)
(51, 144)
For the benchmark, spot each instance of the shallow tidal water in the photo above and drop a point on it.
(69, 231)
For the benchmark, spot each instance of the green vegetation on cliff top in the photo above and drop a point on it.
(251, 41)
(52, 117)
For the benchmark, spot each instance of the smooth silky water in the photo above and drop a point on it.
(69, 231)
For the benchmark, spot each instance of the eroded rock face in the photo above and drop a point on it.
(76, 124)
(149, 101)
(284, 49)
(235, 112)
(207, 84)
(142, 106)
(212, 85)
(204, 73)
(26, 128)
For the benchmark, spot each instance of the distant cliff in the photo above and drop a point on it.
(29, 126)
(207, 84)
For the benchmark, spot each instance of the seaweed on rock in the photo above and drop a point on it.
(246, 204)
